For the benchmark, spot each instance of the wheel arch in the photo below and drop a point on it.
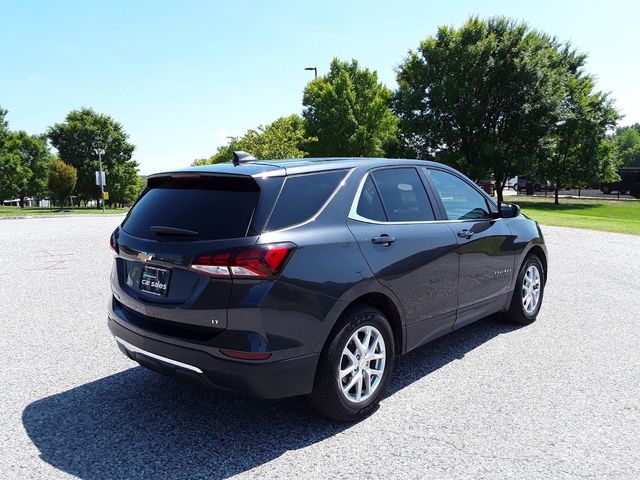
(539, 252)
(389, 307)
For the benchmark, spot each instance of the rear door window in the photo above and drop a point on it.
(212, 207)
(403, 195)
(302, 196)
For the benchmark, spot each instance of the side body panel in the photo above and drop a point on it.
(486, 268)
(420, 267)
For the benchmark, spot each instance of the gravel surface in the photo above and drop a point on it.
(557, 399)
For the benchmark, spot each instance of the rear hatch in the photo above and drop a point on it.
(175, 245)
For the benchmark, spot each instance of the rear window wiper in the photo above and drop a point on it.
(162, 230)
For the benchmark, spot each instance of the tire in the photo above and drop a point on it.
(328, 396)
(606, 190)
(522, 311)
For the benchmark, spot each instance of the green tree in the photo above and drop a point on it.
(608, 161)
(283, 138)
(62, 180)
(349, 112)
(125, 184)
(4, 124)
(482, 97)
(76, 139)
(627, 140)
(578, 153)
(34, 154)
(24, 162)
(13, 175)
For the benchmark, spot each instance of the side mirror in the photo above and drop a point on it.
(508, 210)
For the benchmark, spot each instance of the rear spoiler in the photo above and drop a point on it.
(251, 167)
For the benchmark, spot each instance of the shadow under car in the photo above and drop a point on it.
(136, 424)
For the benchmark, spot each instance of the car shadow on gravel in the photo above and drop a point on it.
(136, 424)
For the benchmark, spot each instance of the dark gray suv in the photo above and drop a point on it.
(310, 276)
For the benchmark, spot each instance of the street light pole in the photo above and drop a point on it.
(315, 71)
(100, 151)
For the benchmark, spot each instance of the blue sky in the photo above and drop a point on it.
(182, 76)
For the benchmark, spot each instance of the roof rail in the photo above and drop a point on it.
(242, 157)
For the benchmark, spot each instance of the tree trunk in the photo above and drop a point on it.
(556, 202)
(499, 189)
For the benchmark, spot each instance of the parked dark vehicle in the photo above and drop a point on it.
(310, 276)
(629, 183)
(533, 185)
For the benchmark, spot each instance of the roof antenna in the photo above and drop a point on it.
(242, 157)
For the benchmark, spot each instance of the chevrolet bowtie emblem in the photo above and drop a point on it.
(144, 257)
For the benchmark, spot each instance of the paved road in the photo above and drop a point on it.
(558, 399)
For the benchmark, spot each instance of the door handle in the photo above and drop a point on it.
(465, 233)
(383, 239)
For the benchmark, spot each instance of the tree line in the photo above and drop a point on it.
(28, 168)
(493, 98)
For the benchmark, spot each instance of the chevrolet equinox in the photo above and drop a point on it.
(310, 276)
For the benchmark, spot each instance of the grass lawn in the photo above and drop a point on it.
(32, 211)
(605, 215)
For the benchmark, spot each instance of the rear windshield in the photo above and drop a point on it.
(211, 207)
(302, 197)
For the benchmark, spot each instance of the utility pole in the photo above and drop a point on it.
(100, 151)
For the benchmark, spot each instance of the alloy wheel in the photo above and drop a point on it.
(362, 364)
(531, 284)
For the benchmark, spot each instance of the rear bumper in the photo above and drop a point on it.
(176, 358)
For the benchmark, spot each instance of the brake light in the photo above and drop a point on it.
(113, 243)
(189, 176)
(251, 262)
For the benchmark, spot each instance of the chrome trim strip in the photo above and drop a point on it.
(353, 212)
(134, 349)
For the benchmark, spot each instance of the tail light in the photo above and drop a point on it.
(113, 243)
(252, 262)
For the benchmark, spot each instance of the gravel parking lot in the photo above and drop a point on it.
(557, 399)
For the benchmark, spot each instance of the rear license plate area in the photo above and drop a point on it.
(155, 280)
